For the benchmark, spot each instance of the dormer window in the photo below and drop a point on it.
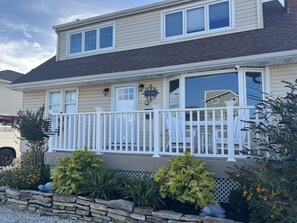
(101, 38)
(197, 19)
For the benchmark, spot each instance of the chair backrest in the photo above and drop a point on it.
(176, 128)
(238, 126)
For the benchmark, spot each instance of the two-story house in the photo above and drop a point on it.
(131, 85)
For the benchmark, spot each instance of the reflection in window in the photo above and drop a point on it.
(174, 94)
(195, 20)
(219, 15)
(75, 43)
(90, 40)
(253, 88)
(106, 37)
(55, 102)
(70, 101)
(174, 24)
(200, 91)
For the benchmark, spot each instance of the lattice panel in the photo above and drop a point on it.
(223, 186)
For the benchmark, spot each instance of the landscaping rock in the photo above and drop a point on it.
(4, 188)
(137, 216)
(65, 198)
(86, 208)
(13, 193)
(100, 207)
(130, 220)
(117, 217)
(165, 214)
(64, 204)
(121, 204)
(119, 212)
(154, 219)
(144, 210)
(190, 218)
(25, 195)
(100, 201)
(83, 202)
(208, 219)
(82, 212)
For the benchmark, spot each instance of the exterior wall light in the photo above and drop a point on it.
(105, 91)
(140, 87)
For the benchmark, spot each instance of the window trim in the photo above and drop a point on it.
(62, 98)
(98, 49)
(206, 20)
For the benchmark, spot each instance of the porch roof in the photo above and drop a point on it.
(278, 35)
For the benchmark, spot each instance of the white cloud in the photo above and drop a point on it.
(22, 56)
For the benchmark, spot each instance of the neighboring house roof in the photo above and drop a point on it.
(9, 75)
(279, 34)
(218, 94)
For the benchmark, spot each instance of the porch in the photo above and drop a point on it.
(206, 132)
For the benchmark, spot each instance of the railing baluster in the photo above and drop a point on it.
(89, 132)
(74, 132)
(144, 132)
(94, 131)
(206, 131)
(109, 131)
(191, 133)
(138, 133)
(84, 131)
(126, 132)
(214, 143)
(198, 133)
(222, 132)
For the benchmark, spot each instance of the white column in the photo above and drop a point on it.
(230, 130)
(156, 133)
(98, 131)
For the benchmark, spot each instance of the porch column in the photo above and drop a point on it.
(230, 130)
(98, 131)
(156, 133)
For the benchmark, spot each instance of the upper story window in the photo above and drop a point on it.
(91, 40)
(196, 20)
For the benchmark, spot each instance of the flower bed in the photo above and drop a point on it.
(93, 210)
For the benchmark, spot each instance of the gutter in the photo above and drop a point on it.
(284, 57)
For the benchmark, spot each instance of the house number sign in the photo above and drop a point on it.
(150, 93)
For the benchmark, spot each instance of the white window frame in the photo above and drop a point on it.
(206, 20)
(241, 83)
(98, 49)
(113, 94)
(62, 99)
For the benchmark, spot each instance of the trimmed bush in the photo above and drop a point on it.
(187, 181)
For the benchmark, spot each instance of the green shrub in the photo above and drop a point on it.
(270, 187)
(101, 184)
(70, 173)
(143, 192)
(187, 181)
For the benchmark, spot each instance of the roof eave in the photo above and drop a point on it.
(284, 57)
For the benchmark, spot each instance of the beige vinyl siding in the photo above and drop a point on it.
(279, 73)
(33, 100)
(158, 102)
(144, 29)
(92, 96)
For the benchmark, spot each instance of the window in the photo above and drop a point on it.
(91, 40)
(216, 101)
(254, 90)
(195, 20)
(174, 94)
(62, 101)
(219, 15)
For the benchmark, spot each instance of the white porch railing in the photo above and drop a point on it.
(207, 132)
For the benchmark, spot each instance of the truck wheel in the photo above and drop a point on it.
(6, 157)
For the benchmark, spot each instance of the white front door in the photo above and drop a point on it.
(124, 101)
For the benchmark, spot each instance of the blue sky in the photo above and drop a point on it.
(26, 35)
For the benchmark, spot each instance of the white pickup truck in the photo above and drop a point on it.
(9, 145)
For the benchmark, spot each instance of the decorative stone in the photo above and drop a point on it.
(64, 204)
(98, 206)
(117, 217)
(165, 214)
(58, 211)
(61, 207)
(137, 216)
(208, 219)
(13, 193)
(25, 196)
(70, 208)
(154, 219)
(4, 188)
(119, 212)
(30, 208)
(83, 202)
(22, 207)
(46, 204)
(97, 212)
(38, 193)
(122, 205)
(100, 201)
(82, 212)
(143, 210)
(130, 220)
(82, 207)
(65, 198)
(42, 199)
(85, 198)
(190, 218)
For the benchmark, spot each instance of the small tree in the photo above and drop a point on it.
(270, 187)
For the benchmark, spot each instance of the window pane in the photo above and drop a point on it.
(90, 40)
(174, 24)
(174, 94)
(106, 37)
(55, 98)
(253, 88)
(70, 108)
(75, 43)
(219, 15)
(70, 97)
(200, 91)
(54, 109)
(195, 20)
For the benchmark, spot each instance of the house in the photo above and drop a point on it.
(10, 104)
(131, 85)
(217, 98)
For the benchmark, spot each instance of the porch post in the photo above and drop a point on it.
(156, 133)
(98, 131)
(230, 130)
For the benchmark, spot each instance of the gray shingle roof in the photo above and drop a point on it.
(279, 34)
(9, 75)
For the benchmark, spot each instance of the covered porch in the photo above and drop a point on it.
(219, 132)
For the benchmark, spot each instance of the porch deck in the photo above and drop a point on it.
(206, 132)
